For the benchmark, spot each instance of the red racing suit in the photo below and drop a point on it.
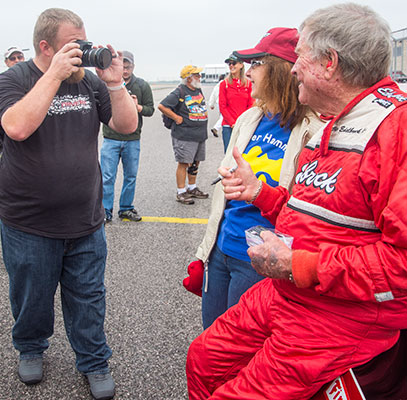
(283, 340)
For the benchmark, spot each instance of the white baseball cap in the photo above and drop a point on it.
(11, 50)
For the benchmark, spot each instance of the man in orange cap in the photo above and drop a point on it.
(186, 107)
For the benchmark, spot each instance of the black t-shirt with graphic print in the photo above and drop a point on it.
(194, 127)
(50, 183)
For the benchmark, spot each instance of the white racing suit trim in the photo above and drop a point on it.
(331, 216)
(338, 219)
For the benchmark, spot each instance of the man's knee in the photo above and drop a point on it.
(194, 351)
(193, 168)
(198, 371)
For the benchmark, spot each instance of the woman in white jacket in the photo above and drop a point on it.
(214, 102)
(270, 136)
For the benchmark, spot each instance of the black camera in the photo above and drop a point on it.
(100, 58)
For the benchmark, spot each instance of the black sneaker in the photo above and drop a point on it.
(198, 194)
(30, 370)
(129, 215)
(184, 198)
(108, 217)
(102, 386)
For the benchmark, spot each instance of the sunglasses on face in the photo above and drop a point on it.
(14, 58)
(256, 63)
(232, 62)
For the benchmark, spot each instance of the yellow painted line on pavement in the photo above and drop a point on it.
(173, 220)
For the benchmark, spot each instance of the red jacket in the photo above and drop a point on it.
(347, 209)
(346, 214)
(234, 100)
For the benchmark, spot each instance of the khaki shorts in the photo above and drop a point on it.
(188, 152)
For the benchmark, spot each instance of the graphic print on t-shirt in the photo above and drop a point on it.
(265, 169)
(196, 107)
(265, 151)
(68, 103)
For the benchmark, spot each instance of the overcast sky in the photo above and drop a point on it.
(165, 35)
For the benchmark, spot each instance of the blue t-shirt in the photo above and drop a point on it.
(264, 153)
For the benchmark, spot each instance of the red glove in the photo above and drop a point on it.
(193, 282)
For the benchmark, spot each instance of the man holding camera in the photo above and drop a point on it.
(127, 147)
(51, 194)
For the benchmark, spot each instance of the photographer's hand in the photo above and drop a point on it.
(65, 62)
(124, 107)
(112, 76)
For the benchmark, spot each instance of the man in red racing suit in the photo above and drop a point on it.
(339, 297)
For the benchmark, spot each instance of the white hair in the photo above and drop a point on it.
(360, 37)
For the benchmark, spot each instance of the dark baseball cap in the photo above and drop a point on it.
(128, 56)
(232, 57)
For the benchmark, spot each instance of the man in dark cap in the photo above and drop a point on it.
(118, 146)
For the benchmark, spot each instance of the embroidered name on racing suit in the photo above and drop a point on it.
(322, 180)
(392, 94)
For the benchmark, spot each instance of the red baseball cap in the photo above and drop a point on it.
(280, 42)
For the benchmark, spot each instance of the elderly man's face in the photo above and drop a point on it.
(309, 73)
(195, 81)
(14, 58)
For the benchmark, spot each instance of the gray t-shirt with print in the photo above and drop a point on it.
(191, 106)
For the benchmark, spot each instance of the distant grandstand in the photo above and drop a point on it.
(212, 72)
(399, 63)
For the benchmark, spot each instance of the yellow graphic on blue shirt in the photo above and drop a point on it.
(264, 152)
(196, 107)
(265, 169)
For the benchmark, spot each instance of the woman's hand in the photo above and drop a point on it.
(241, 184)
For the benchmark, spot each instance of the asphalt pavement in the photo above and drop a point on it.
(151, 319)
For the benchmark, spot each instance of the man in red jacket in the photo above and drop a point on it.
(338, 297)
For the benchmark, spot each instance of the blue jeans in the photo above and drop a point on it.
(228, 279)
(35, 266)
(226, 134)
(112, 150)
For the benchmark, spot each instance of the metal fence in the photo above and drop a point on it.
(399, 62)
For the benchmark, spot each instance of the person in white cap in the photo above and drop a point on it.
(13, 55)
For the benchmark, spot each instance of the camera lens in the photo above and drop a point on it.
(100, 58)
